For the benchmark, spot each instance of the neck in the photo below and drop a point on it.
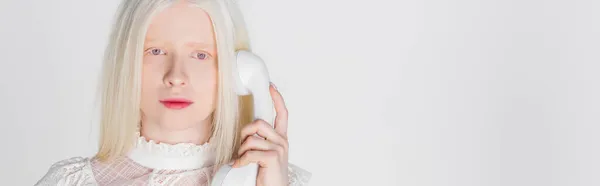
(198, 133)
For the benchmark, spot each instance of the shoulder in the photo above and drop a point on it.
(72, 171)
(298, 176)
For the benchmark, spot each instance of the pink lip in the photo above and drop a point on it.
(176, 103)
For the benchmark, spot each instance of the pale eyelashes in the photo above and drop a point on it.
(197, 54)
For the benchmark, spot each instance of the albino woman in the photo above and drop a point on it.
(170, 115)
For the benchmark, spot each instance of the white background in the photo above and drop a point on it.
(380, 92)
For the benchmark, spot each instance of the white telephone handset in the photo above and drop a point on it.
(251, 77)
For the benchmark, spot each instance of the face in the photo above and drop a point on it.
(179, 78)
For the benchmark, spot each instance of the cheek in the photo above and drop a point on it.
(152, 73)
(150, 79)
(205, 85)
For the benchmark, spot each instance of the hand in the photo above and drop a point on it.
(270, 153)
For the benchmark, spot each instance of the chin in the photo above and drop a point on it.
(182, 121)
(174, 124)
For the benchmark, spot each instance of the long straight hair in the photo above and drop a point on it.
(121, 76)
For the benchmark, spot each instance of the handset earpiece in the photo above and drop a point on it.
(254, 79)
(251, 77)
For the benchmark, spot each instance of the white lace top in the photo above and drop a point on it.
(149, 163)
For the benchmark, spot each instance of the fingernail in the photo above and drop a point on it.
(273, 84)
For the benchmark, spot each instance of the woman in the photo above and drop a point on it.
(170, 115)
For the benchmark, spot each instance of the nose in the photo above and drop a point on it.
(176, 81)
(176, 75)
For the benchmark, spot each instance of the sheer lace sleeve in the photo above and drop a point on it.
(73, 171)
(298, 176)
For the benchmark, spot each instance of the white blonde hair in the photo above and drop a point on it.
(121, 76)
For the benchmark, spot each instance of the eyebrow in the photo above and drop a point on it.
(189, 44)
(153, 42)
(199, 45)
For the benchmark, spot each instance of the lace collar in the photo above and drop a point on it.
(182, 156)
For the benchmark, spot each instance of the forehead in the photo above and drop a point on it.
(181, 23)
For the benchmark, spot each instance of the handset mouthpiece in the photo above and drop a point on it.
(251, 77)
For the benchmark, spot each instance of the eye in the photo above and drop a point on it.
(200, 55)
(155, 51)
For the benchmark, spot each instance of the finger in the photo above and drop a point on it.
(257, 143)
(281, 118)
(262, 158)
(265, 130)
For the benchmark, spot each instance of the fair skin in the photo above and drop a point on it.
(180, 63)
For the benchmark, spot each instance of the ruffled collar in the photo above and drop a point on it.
(181, 156)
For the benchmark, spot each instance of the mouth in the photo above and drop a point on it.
(176, 103)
